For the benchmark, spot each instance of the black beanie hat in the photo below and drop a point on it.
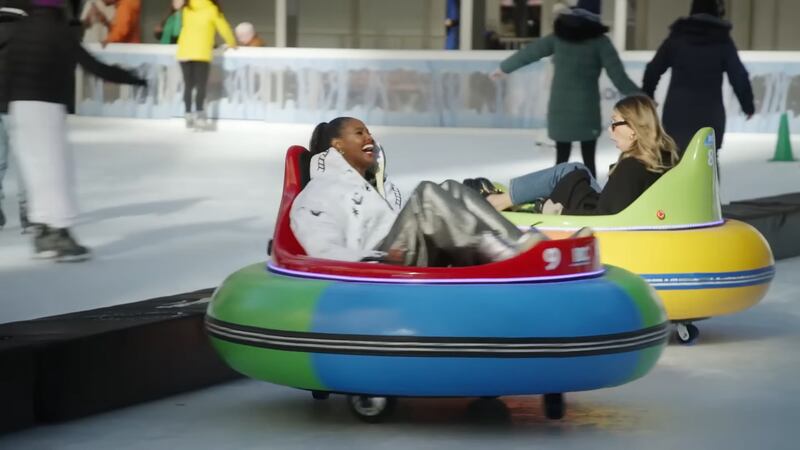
(712, 7)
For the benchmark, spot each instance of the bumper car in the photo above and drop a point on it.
(548, 321)
(674, 237)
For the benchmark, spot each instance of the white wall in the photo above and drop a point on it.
(418, 24)
(408, 24)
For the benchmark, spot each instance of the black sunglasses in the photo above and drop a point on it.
(614, 125)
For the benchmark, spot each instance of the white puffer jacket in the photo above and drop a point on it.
(339, 215)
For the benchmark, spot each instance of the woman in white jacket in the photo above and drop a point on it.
(346, 213)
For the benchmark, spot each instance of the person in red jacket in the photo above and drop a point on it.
(126, 27)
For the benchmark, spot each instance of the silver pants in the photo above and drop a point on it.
(441, 225)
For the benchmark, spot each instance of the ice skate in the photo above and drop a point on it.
(24, 222)
(190, 120)
(201, 122)
(58, 244)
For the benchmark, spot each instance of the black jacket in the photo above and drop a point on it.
(10, 14)
(699, 49)
(42, 56)
(626, 183)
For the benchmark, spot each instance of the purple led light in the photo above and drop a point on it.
(297, 273)
(638, 228)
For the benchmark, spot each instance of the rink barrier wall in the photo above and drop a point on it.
(394, 87)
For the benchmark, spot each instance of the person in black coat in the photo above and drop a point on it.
(699, 49)
(11, 12)
(646, 153)
(42, 56)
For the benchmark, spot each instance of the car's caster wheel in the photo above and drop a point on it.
(371, 409)
(686, 333)
(320, 395)
(554, 406)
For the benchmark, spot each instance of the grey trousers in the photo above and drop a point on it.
(441, 225)
(5, 157)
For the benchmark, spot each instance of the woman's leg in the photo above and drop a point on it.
(534, 185)
(46, 164)
(4, 157)
(563, 149)
(475, 204)
(187, 68)
(587, 151)
(201, 81)
(442, 225)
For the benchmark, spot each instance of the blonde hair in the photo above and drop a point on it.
(651, 142)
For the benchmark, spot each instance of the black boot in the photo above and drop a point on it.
(2, 218)
(59, 244)
(482, 185)
(24, 223)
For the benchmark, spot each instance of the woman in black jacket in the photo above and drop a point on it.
(699, 49)
(646, 153)
(42, 55)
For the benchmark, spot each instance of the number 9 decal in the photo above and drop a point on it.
(552, 256)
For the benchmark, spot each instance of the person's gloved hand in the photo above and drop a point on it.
(497, 75)
(552, 208)
(139, 81)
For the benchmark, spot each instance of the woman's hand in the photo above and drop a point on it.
(497, 75)
(552, 208)
(395, 256)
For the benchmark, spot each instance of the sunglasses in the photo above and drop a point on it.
(614, 125)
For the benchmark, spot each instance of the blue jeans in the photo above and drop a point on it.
(528, 188)
(5, 155)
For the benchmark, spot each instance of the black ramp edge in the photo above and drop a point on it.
(73, 365)
(17, 389)
(777, 218)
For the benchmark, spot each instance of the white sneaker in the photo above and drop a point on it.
(582, 233)
(190, 119)
(529, 239)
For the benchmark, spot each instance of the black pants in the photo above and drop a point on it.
(563, 149)
(195, 76)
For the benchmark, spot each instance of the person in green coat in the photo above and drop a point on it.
(580, 49)
(169, 29)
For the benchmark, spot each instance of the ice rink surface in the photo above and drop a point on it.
(167, 210)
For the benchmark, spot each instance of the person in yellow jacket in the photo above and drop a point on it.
(201, 20)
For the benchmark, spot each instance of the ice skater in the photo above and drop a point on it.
(201, 19)
(42, 55)
(11, 12)
(580, 50)
(699, 49)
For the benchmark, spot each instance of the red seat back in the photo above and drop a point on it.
(284, 243)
